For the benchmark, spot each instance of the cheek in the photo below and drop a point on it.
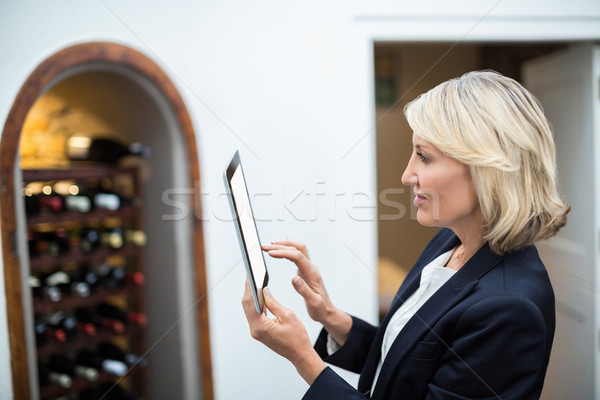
(472, 199)
(460, 199)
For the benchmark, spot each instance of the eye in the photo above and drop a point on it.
(423, 157)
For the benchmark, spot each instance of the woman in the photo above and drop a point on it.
(474, 318)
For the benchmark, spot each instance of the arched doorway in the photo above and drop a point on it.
(110, 68)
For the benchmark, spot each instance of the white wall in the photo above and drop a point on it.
(290, 88)
(289, 84)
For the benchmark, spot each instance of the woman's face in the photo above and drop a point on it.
(445, 195)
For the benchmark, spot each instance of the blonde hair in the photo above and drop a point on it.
(495, 126)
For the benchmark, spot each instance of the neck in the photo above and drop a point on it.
(470, 234)
(470, 242)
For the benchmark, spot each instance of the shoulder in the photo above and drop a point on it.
(519, 285)
(506, 309)
(520, 272)
(525, 275)
(527, 256)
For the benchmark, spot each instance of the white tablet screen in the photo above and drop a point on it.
(247, 226)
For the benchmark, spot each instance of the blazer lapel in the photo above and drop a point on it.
(411, 283)
(412, 280)
(458, 287)
(422, 322)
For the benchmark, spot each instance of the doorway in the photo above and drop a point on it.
(402, 72)
(562, 77)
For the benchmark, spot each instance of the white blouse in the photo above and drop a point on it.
(433, 276)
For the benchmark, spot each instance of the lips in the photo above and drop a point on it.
(418, 195)
(419, 199)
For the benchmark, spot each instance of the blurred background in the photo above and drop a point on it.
(312, 97)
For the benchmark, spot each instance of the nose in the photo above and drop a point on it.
(409, 177)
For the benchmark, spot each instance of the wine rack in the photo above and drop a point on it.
(86, 281)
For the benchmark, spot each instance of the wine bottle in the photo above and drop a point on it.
(67, 323)
(48, 376)
(72, 325)
(111, 351)
(32, 204)
(107, 201)
(100, 195)
(58, 279)
(36, 286)
(67, 366)
(135, 278)
(61, 281)
(84, 274)
(80, 203)
(113, 238)
(112, 277)
(136, 237)
(115, 278)
(39, 197)
(93, 360)
(73, 199)
(89, 240)
(43, 292)
(32, 244)
(85, 315)
(102, 149)
(51, 293)
(43, 332)
(51, 202)
(80, 289)
(59, 320)
(54, 243)
(62, 240)
(111, 311)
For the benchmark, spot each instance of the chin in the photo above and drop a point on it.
(425, 220)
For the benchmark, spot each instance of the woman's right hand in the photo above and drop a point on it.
(308, 283)
(310, 286)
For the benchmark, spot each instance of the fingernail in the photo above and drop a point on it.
(267, 292)
(296, 281)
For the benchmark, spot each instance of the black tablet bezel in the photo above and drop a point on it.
(234, 164)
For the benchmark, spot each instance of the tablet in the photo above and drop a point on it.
(256, 269)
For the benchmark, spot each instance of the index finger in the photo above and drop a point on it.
(305, 266)
(294, 243)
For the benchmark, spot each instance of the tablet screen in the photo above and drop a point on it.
(255, 262)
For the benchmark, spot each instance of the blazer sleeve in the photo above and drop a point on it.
(352, 355)
(330, 385)
(497, 331)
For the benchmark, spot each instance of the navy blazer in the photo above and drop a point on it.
(485, 334)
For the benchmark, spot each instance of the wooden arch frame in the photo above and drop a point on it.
(34, 86)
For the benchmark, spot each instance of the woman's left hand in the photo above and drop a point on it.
(285, 334)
